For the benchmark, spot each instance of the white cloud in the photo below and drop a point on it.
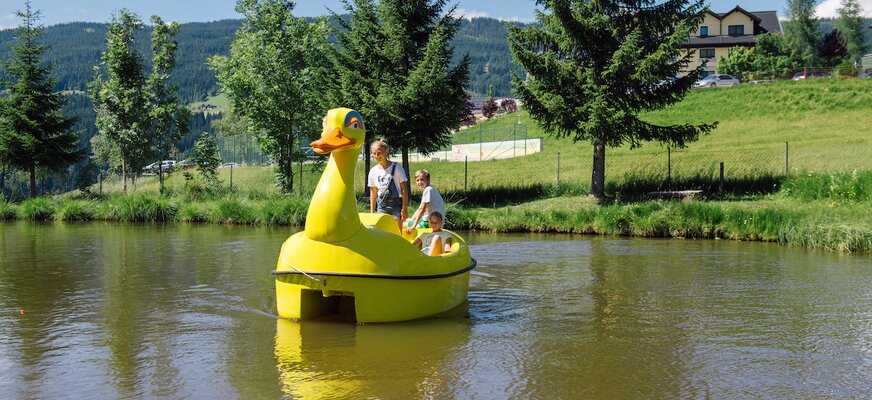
(470, 14)
(517, 19)
(827, 8)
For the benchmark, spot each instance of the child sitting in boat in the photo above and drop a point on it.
(436, 242)
(431, 201)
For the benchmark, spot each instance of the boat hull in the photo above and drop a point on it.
(371, 298)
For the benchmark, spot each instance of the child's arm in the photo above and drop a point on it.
(417, 217)
(373, 192)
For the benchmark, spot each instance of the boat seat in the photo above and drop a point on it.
(382, 222)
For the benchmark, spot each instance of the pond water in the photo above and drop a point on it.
(188, 311)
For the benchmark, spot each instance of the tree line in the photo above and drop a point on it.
(587, 70)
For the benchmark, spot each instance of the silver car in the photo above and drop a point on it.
(717, 80)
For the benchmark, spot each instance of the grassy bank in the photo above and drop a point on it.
(827, 211)
(825, 202)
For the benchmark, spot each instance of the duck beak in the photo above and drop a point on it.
(331, 140)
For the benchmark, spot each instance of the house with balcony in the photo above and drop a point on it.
(719, 32)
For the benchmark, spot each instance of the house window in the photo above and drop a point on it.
(736, 30)
(706, 53)
(703, 31)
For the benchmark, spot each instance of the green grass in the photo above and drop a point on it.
(8, 210)
(38, 209)
(221, 102)
(826, 202)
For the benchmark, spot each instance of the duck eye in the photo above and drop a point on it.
(353, 124)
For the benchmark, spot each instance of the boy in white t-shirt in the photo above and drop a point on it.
(431, 201)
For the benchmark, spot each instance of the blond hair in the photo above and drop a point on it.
(381, 145)
(424, 173)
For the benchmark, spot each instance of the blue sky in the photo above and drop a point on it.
(58, 11)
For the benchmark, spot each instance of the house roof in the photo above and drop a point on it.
(768, 21)
(741, 10)
(721, 41)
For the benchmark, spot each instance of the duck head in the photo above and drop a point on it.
(332, 215)
(343, 130)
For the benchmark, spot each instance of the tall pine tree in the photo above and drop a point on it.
(271, 77)
(169, 118)
(121, 98)
(592, 66)
(393, 62)
(34, 132)
(850, 23)
(802, 31)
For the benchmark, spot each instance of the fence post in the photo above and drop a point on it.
(231, 177)
(721, 185)
(668, 168)
(301, 177)
(787, 159)
(558, 167)
(479, 137)
(465, 172)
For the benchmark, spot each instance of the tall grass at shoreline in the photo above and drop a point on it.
(827, 211)
(824, 201)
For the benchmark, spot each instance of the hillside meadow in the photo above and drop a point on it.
(816, 191)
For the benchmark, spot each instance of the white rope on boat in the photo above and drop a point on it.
(285, 260)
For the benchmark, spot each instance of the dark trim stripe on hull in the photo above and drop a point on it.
(404, 277)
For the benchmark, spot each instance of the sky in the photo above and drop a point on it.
(59, 11)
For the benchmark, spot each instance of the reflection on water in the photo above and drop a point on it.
(406, 360)
(173, 311)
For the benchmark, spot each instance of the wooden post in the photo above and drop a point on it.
(721, 185)
(786, 159)
(231, 177)
(465, 171)
(668, 168)
(558, 167)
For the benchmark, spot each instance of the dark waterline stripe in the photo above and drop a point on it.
(446, 275)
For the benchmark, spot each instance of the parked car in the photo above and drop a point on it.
(802, 75)
(717, 80)
(164, 165)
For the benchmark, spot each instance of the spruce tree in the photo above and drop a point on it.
(592, 66)
(34, 132)
(400, 54)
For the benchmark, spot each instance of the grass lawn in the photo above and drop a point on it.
(825, 203)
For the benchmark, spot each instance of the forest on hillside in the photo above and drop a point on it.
(76, 48)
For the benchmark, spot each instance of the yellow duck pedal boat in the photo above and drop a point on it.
(359, 265)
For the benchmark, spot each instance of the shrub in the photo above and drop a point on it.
(139, 207)
(38, 209)
(290, 210)
(75, 210)
(7, 211)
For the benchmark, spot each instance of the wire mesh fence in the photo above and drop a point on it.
(726, 170)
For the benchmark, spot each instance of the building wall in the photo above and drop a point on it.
(738, 18)
(718, 27)
(713, 23)
(712, 65)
